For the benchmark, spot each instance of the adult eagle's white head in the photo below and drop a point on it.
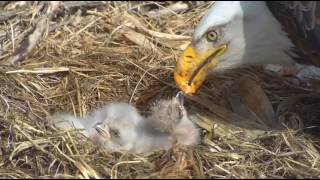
(232, 34)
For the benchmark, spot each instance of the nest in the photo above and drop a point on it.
(118, 51)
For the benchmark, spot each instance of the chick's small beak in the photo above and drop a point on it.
(192, 68)
(179, 98)
(179, 103)
(103, 130)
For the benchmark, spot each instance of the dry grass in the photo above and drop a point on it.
(98, 57)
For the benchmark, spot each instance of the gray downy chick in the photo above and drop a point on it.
(113, 126)
(170, 116)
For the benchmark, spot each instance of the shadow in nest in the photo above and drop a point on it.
(301, 112)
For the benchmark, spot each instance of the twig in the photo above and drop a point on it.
(5, 15)
(40, 70)
(74, 5)
(8, 106)
(168, 84)
(12, 35)
(135, 88)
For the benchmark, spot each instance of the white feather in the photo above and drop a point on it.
(253, 35)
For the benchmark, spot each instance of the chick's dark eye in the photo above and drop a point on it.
(212, 36)
(114, 133)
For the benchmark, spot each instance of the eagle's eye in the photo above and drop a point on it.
(212, 36)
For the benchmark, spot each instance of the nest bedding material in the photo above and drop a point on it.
(124, 52)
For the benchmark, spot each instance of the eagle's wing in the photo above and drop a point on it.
(301, 20)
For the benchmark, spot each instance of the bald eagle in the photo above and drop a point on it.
(239, 33)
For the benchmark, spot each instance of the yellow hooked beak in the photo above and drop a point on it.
(192, 68)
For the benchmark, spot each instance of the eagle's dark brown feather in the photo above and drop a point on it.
(301, 20)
